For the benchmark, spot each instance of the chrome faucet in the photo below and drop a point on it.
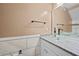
(55, 32)
(59, 31)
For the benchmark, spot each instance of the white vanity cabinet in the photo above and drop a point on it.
(32, 47)
(52, 50)
(29, 45)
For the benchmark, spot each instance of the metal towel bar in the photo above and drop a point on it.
(39, 22)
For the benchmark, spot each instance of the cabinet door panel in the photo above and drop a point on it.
(29, 52)
(55, 49)
(32, 42)
(46, 52)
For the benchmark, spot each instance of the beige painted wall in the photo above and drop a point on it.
(15, 19)
(62, 16)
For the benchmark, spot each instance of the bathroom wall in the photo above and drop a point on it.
(15, 19)
(62, 16)
(75, 19)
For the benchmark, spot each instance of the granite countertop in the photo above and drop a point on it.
(70, 44)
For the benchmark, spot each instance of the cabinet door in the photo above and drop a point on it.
(32, 47)
(56, 50)
(28, 46)
(29, 52)
(46, 51)
(33, 42)
(12, 46)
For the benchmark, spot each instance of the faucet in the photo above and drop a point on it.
(55, 32)
(59, 31)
